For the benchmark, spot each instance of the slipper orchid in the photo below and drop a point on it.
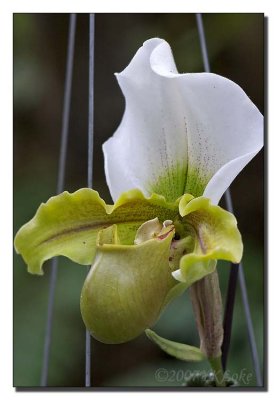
(182, 140)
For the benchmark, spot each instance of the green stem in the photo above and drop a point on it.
(218, 371)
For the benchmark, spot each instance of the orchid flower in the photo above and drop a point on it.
(182, 140)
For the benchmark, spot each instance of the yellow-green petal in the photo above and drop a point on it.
(68, 224)
(125, 290)
(215, 234)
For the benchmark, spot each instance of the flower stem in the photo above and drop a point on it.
(218, 371)
(207, 306)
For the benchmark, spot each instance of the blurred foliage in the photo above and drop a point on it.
(235, 44)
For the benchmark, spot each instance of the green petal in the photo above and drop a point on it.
(68, 224)
(125, 290)
(215, 234)
(181, 351)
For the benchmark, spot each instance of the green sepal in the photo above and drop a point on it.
(68, 224)
(125, 290)
(181, 351)
(215, 234)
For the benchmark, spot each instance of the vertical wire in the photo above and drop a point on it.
(202, 39)
(236, 269)
(251, 334)
(60, 185)
(90, 163)
(91, 99)
(231, 296)
(229, 312)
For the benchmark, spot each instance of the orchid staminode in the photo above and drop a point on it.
(182, 140)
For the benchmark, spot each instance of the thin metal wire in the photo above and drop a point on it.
(230, 298)
(251, 335)
(91, 99)
(49, 321)
(90, 162)
(236, 270)
(60, 185)
(229, 312)
(202, 39)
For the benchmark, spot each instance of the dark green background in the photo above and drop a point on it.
(235, 45)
